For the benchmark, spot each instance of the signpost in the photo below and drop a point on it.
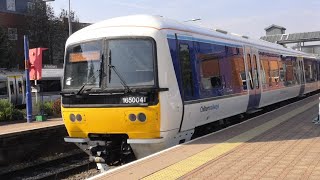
(28, 89)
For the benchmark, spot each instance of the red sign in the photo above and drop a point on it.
(35, 57)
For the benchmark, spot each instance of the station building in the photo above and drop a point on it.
(308, 42)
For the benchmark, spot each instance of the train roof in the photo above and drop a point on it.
(162, 23)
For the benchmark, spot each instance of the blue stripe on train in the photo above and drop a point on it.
(190, 38)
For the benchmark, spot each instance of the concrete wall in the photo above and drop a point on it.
(311, 49)
(274, 31)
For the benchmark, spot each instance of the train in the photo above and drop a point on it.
(13, 86)
(139, 84)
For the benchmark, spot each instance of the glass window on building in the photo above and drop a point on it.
(11, 5)
(30, 6)
(12, 34)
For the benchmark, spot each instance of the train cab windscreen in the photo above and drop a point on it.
(134, 59)
(122, 63)
(83, 65)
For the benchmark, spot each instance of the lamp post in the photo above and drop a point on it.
(69, 17)
(197, 19)
(69, 21)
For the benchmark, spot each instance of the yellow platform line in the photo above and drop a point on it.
(187, 165)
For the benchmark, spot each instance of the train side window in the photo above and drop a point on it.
(186, 70)
(250, 70)
(238, 76)
(210, 72)
(282, 70)
(222, 70)
(307, 70)
(274, 72)
(295, 67)
(3, 88)
(20, 87)
(256, 74)
(289, 73)
(11, 87)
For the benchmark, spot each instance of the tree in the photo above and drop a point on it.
(3, 48)
(47, 30)
(6, 51)
(38, 24)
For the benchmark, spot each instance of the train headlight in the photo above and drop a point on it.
(142, 117)
(79, 117)
(72, 117)
(132, 117)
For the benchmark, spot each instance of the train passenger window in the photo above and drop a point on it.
(3, 88)
(11, 87)
(269, 64)
(186, 71)
(289, 73)
(222, 70)
(274, 72)
(256, 74)
(20, 87)
(310, 69)
(210, 72)
(303, 78)
(250, 71)
(296, 70)
(238, 74)
(263, 73)
(314, 71)
(282, 70)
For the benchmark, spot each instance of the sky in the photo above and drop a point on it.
(245, 17)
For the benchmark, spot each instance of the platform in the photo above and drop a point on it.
(22, 127)
(281, 144)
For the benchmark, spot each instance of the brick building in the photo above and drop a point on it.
(13, 21)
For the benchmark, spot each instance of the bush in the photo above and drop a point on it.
(8, 112)
(47, 108)
(52, 108)
(56, 107)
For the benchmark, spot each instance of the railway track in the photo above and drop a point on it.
(56, 168)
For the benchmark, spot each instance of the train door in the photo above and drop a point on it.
(16, 90)
(185, 60)
(253, 75)
(185, 48)
(301, 75)
(301, 69)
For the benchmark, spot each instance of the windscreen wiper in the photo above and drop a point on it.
(122, 81)
(101, 70)
(85, 84)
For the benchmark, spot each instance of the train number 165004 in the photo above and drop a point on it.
(133, 100)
